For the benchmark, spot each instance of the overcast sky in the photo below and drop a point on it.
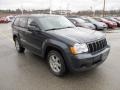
(74, 5)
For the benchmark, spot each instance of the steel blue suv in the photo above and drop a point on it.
(64, 46)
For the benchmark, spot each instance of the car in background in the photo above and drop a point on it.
(10, 18)
(3, 20)
(111, 24)
(78, 22)
(114, 20)
(98, 25)
(118, 18)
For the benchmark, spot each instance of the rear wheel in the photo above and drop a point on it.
(18, 46)
(56, 63)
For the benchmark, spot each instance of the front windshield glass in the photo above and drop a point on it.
(55, 22)
(80, 20)
(92, 20)
(104, 19)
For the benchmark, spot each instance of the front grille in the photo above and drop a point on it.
(97, 45)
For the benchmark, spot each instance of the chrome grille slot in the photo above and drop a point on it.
(97, 45)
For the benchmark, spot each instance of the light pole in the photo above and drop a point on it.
(93, 8)
(50, 7)
(104, 8)
(21, 7)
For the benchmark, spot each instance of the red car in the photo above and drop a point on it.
(3, 20)
(110, 24)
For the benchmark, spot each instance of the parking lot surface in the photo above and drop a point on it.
(29, 72)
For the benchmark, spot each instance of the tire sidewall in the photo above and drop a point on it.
(63, 68)
(21, 49)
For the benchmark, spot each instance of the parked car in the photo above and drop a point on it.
(10, 18)
(61, 43)
(98, 25)
(110, 24)
(3, 20)
(114, 20)
(82, 23)
(117, 18)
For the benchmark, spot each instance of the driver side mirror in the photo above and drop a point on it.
(33, 27)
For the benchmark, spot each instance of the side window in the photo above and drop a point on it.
(16, 22)
(23, 22)
(30, 20)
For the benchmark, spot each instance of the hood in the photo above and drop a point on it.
(90, 25)
(101, 24)
(77, 34)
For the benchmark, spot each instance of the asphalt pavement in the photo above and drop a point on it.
(29, 72)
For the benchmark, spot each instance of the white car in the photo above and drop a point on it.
(10, 18)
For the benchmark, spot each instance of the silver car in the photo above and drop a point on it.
(98, 25)
(82, 23)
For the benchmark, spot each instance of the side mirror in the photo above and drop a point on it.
(33, 23)
(33, 28)
(78, 25)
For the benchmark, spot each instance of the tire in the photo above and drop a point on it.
(96, 27)
(56, 63)
(18, 46)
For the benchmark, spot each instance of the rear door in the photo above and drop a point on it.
(22, 30)
(15, 26)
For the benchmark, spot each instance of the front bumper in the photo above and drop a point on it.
(101, 28)
(86, 61)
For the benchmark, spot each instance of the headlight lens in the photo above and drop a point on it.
(79, 48)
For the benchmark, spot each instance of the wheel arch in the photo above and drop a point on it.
(14, 36)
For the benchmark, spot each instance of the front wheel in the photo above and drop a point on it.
(18, 46)
(56, 63)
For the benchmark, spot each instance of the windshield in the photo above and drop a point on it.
(80, 20)
(104, 19)
(55, 22)
(92, 20)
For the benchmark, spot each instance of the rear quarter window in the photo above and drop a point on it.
(16, 22)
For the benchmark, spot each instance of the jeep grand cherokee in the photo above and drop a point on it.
(63, 45)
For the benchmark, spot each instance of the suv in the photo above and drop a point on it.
(63, 45)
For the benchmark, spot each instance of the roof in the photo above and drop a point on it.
(37, 15)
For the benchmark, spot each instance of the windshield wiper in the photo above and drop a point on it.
(53, 29)
(58, 28)
(69, 27)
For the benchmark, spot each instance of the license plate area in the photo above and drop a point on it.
(104, 56)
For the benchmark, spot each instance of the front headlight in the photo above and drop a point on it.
(79, 48)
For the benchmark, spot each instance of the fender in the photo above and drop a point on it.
(55, 44)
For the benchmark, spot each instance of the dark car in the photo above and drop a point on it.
(82, 23)
(63, 45)
(111, 24)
